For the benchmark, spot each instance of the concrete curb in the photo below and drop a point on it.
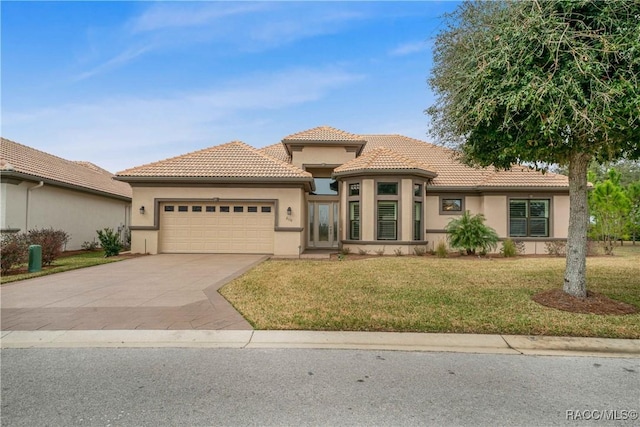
(399, 341)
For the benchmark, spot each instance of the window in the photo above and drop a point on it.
(387, 220)
(529, 218)
(224, 208)
(354, 189)
(354, 220)
(265, 209)
(210, 208)
(168, 208)
(451, 205)
(326, 186)
(417, 221)
(183, 208)
(196, 208)
(417, 190)
(238, 209)
(252, 209)
(387, 189)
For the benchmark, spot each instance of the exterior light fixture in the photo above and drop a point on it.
(289, 211)
(141, 210)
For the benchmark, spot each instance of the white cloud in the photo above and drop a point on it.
(179, 15)
(117, 61)
(410, 48)
(124, 131)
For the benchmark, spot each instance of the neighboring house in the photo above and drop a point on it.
(40, 190)
(326, 188)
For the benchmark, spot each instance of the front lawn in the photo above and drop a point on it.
(64, 263)
(429, 294)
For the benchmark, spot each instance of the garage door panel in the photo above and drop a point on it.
(236, 231)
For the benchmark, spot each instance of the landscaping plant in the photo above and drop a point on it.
(13, 250)
(471, 234)
(509, 249)
(110, 242)
(52, 242)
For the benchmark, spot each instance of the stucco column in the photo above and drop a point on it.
(367, 210)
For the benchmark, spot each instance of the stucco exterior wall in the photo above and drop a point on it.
(311, 155)
(287, 240)
(79, 214)
(560, 216)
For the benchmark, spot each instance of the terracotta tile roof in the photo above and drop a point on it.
(19, 159)
(231, 160)
(451, 172)
(520, 176)
(382, 158)
(324, 134)
(276, 150)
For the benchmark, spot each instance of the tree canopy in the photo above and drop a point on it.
(542, 82)
(536, 81)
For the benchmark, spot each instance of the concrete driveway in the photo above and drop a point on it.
(169, 291)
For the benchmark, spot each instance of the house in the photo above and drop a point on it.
(326, 188)
(40, 190)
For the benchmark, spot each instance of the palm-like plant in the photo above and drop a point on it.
(470, 233)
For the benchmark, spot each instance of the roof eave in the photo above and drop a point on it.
(306, 181)
(53, 182)
(360, 172)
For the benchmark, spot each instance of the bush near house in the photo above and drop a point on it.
(13, 251)
(110, 242)
(471, 234)
(52, 242)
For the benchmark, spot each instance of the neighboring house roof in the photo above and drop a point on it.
(22, 162)
(382, 159)
(231, 161)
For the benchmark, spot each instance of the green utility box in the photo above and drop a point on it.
(35, 258)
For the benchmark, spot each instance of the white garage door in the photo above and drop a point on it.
(197, 227)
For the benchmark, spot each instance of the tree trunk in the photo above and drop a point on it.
(575, 274)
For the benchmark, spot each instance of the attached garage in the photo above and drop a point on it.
(198, 227)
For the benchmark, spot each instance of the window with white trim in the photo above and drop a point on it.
(354, 220)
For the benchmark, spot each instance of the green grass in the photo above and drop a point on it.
(64, 263)
(430, 294)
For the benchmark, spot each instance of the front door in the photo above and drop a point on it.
(323, 224)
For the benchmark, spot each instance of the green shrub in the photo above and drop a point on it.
(345, 250)
(52, 242)
(441, 249)
(509, 249)
(14, 250)
(471, 234)
(110, 242)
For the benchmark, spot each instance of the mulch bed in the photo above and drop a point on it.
(594, 303)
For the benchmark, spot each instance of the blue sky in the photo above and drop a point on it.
(121, 84)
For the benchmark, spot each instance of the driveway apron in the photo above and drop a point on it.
(168, 291)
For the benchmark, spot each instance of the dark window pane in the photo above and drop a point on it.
(354, 189)
(417, 221)
(168, 208)
(518, 227)
(387, 188)
(538, 227)
(265, 209)
(211, 208)
(518, 208)
(252, 209)
(183, 208)
(238, 208)
(224, 208)
(354, 220)
(417, 190)
(196, 208)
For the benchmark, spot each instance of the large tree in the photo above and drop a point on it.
(542, 82)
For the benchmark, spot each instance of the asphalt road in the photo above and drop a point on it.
(229, 387)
